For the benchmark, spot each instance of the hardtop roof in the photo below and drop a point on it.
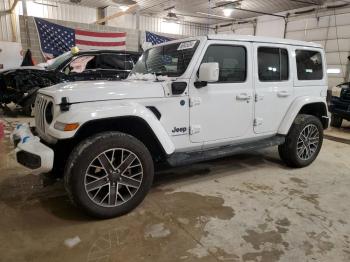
(263, 39)
(247, 38)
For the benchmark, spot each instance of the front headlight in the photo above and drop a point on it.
(336, 91)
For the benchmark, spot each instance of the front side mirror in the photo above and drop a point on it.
(209, 72)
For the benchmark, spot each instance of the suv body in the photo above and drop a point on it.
(185, 101)
(339, 104)
(19, 85)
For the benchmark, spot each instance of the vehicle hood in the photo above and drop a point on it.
(88, 91)
(21, 68)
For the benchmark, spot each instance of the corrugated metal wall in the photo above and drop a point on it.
(333, 32)
(5, 23)
(330, 28)
(59, 11)
(156, 24)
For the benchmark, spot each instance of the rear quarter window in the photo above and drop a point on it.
(309, 65)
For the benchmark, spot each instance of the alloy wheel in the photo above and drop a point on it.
(113, 177)
(308, 142)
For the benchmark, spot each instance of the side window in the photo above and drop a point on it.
(232, 62)
(113, 61)
(80, 64)
(273, 64)
(309, 65)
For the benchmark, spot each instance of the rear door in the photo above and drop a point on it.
(273, 86)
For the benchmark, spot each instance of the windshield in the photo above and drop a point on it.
(59, 60)
(167, 60)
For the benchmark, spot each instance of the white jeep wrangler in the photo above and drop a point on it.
(185, 101)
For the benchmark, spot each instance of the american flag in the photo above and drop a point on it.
(156, 39)
(56, 39)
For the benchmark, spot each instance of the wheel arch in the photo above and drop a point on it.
(132, 125)
(305, 105)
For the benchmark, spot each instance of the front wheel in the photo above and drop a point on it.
(109, 174)
(303, 142)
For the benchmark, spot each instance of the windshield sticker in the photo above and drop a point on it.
(186, 45)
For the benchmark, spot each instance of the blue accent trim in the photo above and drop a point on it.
(25, 139)
(18, 126)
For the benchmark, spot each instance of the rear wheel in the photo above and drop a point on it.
(336, 121)
(109, 174)
(303, 142)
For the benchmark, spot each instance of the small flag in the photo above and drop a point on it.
(156, 39)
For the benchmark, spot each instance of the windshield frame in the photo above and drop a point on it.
(196, 47)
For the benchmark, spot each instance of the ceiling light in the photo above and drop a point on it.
(227, 11)
(125, 2)
(219, 16)
(333, 71)
(123, 8)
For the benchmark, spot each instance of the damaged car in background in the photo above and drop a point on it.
(20, 85)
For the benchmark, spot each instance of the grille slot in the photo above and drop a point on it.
(40, 106)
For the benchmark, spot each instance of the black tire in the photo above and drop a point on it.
(289, 150)
(336, 121)
(91, 149)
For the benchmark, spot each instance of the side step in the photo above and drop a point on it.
(184, 158)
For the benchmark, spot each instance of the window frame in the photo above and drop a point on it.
(322, 64)
(280, 59)
(229, 45)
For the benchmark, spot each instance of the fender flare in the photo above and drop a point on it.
(87, 112)
(294, 109)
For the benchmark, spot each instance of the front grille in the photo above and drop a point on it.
(40, 105)
(345, 94)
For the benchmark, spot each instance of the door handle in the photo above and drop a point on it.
(243, 96)
(283, 94)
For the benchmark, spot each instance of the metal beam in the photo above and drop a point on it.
(306, 2)
(248, 10)
(10, 10)
(258, 12)
(13, 5)
(131, 9)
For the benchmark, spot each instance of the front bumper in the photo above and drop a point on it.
(30, 152)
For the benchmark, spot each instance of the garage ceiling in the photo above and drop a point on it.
(197, 10)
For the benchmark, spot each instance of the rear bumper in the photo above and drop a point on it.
(30, 152)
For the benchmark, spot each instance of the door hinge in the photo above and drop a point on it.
(195, 101)
(258, 121)
(258, 98)
(195, 129)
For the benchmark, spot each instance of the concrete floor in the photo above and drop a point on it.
(244, 208)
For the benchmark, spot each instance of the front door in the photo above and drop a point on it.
(273, 86)
(223, 110)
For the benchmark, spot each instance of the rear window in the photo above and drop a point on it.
(309, 65)
(273, 64)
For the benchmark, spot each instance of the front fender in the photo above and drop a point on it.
(294, 109)
(85, 112)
